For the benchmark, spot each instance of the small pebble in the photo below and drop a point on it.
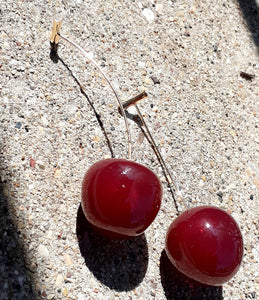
(18, 125)
(180, 13)
(68, 259)
(220, 195)
(155, 80)
(59, 280)
(65, 292)
(57, 172)
(147, 80)
(32, 163)
(148, 14)
(43, 251)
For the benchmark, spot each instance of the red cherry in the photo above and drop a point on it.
(120, 197)
(205, 244)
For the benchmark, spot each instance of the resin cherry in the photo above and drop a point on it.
(120, 198)
(205, 244)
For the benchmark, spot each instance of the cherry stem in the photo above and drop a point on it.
(169, 177)
(88, 56)
(122, 106)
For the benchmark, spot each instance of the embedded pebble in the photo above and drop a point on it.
(180, 13)
(148, 14)
(18, 125)
(32, 163)
(43, 251)
(59, 280)
(68, 259)
(57, 173)
(65, 292)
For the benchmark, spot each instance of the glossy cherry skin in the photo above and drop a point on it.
(205, 244)
(120, 198)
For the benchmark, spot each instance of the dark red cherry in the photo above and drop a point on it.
(205, 244)
(120, 198)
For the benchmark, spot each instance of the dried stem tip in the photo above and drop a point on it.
(54, 39)
(133, 101)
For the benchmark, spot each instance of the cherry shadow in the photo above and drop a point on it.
(119, 264)
(250, 12)
(179, 287)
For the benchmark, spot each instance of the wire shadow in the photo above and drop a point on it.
(119, 264)
(250, 11)
(56, 58)
(138, 121)
(178, 287)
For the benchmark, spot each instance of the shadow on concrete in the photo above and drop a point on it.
(250, 12)
(15, 277)
(179, 287)
(119, 264)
